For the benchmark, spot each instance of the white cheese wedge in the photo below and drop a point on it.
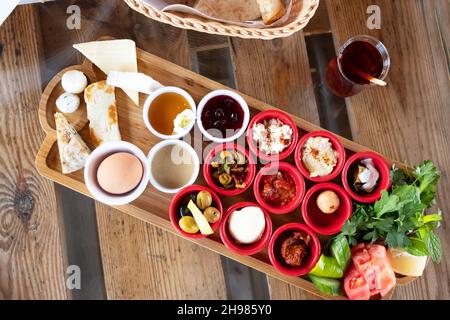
(102, 113)
(202, 223)
(112, 55)
(133, 81)
(247, 225)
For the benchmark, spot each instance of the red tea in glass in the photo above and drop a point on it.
(359, 58)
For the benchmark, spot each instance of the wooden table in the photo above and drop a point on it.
(45, 228)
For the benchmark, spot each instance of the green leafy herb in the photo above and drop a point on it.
(399, 217)
(417, 247)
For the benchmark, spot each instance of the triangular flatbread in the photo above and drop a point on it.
(112, 55)
(73, 151)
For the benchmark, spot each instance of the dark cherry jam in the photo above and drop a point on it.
(224, 114)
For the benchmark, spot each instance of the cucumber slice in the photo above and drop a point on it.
(327, 285)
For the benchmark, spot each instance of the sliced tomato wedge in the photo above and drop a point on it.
(355, 287)
(371, 261)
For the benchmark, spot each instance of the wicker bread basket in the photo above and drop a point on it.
(302, 11)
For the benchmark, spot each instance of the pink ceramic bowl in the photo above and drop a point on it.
(207, 172)
(267, 115)
(337, 145)
(384, 182)
(175, 204)
(244, 249)
(275, 250)
(299, 182)
(326, 224)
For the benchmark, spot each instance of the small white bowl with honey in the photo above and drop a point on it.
(169, 113)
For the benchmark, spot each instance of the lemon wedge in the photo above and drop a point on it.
(406, 264)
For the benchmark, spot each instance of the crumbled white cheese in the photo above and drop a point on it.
(273, 136)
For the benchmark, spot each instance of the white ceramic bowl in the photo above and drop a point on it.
(93, 162)
(148, 104)
(236, 97)
(188, 149)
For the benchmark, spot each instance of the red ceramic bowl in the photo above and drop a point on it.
(245, 249)
(326, 224)
(208, 175)
(337, 145)
(384, 182)
(267, 115)
(174, 205)
(275, 246)
(293, 172)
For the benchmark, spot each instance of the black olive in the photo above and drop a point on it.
(228, 103)
(193, 197)
(219, 113)
(220, 124)
(234, 117)
(184, 211)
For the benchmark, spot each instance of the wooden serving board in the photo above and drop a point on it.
(152, 206)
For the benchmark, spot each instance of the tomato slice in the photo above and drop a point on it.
(372, 263)
(355, 286)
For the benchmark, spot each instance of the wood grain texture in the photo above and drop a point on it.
(320, 23)
(32, 262)
(408, 120)
(278, 72)
(132, 273)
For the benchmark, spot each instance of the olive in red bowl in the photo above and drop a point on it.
(326, 207)
(196, 211)
(229, 170)
(294, 249)
(279, 187)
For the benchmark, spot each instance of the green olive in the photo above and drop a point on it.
(240, 158)
(225, 154)
(204, 200)
(225, 179)
(188, 224)
(212, 214)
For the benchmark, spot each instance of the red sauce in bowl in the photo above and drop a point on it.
(278, 189)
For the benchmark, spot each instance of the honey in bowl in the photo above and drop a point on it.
(164, 109)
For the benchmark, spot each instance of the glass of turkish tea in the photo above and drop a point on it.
(359, 59)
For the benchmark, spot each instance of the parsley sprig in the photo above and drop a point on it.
(399, 218)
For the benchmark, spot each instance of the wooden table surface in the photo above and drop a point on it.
(43, 226)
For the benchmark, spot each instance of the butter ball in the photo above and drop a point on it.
(68, 102)
(328, 202)
(74, 81)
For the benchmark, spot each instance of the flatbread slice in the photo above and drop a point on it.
(102, 113)
(232, 10)
(73, 151)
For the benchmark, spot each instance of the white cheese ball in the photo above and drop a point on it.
(74, 81)
(247, 225)
(68, 102)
